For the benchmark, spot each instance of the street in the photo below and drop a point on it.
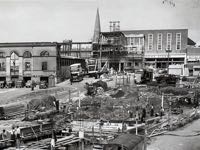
(10, 95)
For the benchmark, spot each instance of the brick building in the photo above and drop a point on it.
(159, 45)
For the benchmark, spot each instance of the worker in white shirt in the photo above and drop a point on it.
(53, 140)
(18, 138)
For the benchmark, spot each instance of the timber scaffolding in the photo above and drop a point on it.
(112, 48)
(111, 45)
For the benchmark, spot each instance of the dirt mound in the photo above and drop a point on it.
(119, 93)
(101, 84)
(91, 101)
(174, 90)
(45, 103)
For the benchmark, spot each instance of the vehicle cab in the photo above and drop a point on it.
(76, 72)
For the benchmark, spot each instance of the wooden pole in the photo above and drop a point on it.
(115, 80)
(162, 100)
(69, 95)
(82, 144)
(145, 137)
(123, 79)
(79, 99)
(136, 129)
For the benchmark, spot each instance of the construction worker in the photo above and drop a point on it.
(12, 137)
(143, 115)
(57, 105)
(18, 137)
(152, 111)
(53, 140)
(4, 135)
(32, 86)
(162, 112)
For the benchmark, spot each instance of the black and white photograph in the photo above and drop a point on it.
(99, 74)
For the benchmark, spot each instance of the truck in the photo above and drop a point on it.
(92, 68)
(143, 76)
(169, 79)
(76, 72)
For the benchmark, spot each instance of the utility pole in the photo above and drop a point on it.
(143, 53)
(100, 43)
(136, 119)
(145, 136)
(168, 51)
(169, 113)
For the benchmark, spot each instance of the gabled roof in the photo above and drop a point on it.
(191, 42)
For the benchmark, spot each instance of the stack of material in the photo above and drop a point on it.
(34, 132)
(62, 142)
(11, 110)
(45, 103)
(67, 141)
(5, 143)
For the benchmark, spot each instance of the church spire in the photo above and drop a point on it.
(97, 28)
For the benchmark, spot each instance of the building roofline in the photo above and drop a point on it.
(113, 33)
(28, 44)
(81, 42)
(153, 30)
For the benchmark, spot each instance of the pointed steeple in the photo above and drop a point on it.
(97, 28)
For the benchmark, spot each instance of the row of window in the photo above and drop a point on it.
(26, 54)
(135, 41)
(27, 66)
(160, 40)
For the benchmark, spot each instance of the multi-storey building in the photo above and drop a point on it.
(29, 61)
(40, 60)
(139, 48)
(159, 46)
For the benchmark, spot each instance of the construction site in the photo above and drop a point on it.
(121, 90)
(99, 113)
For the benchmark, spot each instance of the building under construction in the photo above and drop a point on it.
(135, 49)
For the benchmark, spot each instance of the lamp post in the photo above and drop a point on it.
(168, 51)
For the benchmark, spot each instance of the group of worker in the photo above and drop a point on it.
(142, 113)
(13, 136)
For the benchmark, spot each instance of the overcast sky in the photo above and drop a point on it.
(56, 20)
